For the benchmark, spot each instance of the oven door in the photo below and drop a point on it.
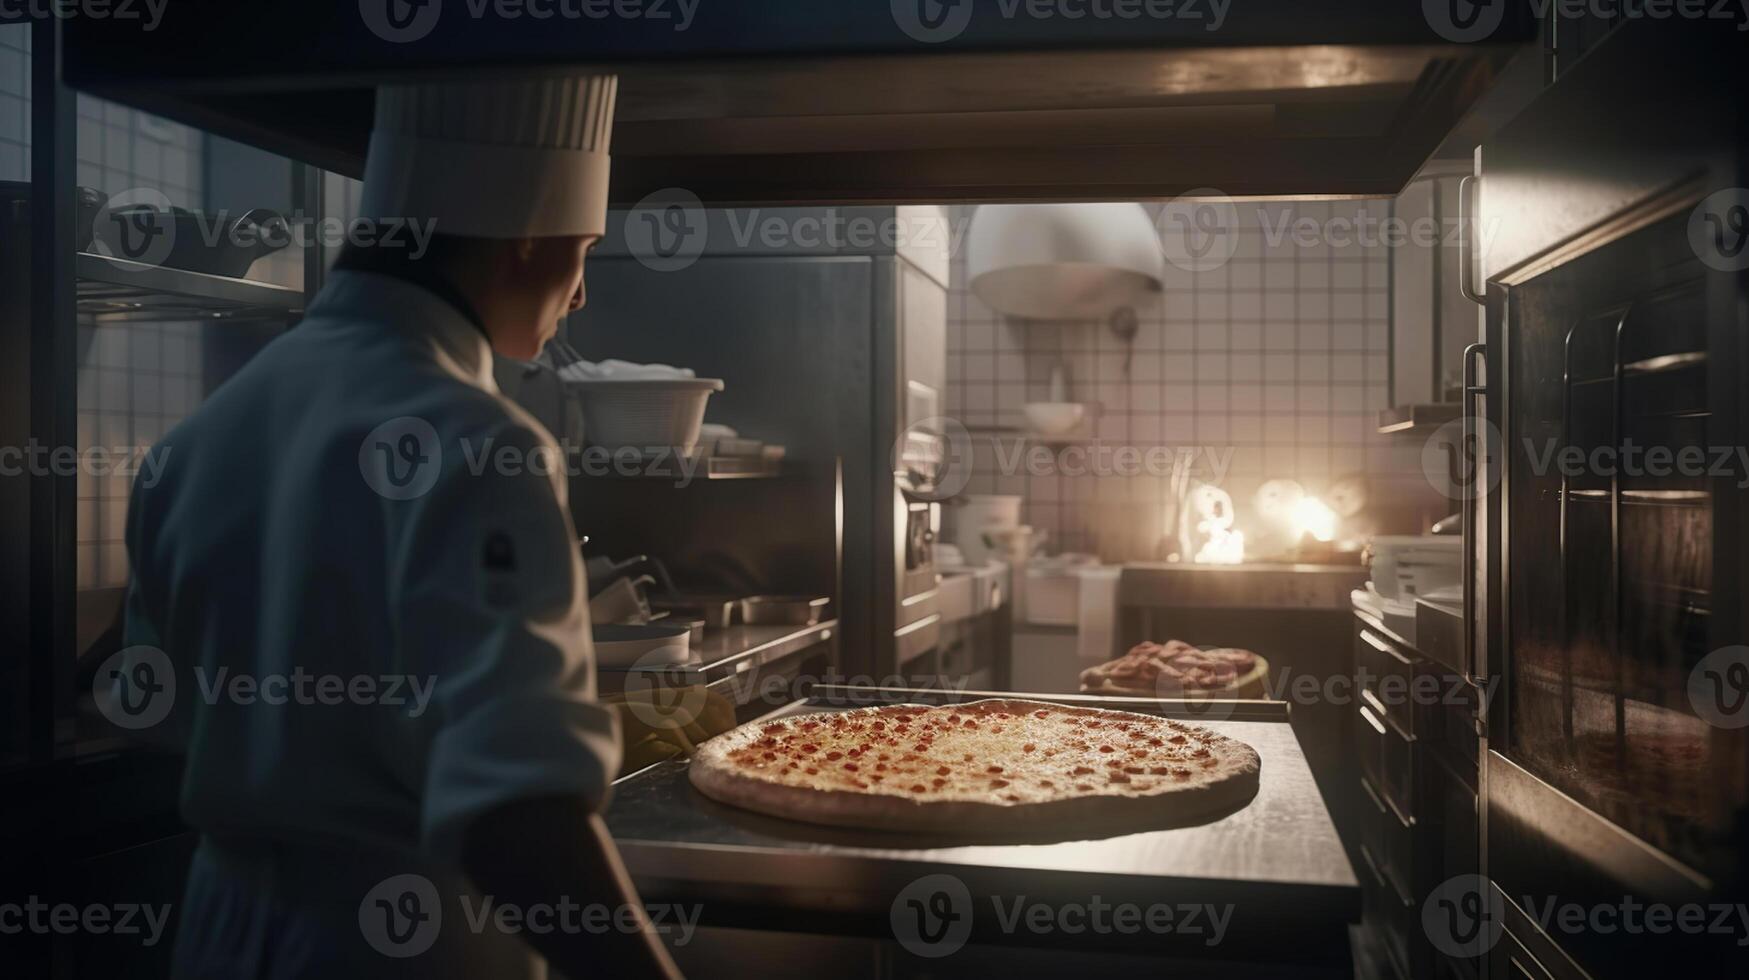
(1614, 781)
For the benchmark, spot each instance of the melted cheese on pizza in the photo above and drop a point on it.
(980, 753)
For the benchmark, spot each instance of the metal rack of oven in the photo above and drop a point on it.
(1643, 363)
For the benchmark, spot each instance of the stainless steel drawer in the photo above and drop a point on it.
(1388, 914)
(1387, 679)
(1387, 759)
(1389, 840)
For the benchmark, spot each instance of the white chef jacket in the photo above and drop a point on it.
(272, 547)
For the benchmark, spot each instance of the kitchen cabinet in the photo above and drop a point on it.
(1419, 819)
(1431, 319)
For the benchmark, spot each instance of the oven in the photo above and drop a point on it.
(1612, 585)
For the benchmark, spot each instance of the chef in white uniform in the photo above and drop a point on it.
(360, 562)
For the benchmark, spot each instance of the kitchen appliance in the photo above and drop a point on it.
(1063, 262)
(1607, 590)
(917, 619)
(199, 242)
(1408, 565)
(832, 345)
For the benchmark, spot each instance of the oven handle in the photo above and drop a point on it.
(1466, 253)
(1475, 355)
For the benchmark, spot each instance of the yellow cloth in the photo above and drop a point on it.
(663, 722)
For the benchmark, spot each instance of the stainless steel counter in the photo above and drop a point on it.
(1277, 862)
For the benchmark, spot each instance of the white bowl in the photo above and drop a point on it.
(1054, 418)
(642, 646)
(645, 415)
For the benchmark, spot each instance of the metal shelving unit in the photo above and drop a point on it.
(114, 290)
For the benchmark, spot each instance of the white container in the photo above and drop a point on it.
(646, 415)
(981, 513)
(652, 646)
(1405, 566)
(986, 510)
(1051, 589)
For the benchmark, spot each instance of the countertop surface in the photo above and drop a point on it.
(1277, 858)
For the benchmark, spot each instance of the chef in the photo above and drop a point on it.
(360, 563)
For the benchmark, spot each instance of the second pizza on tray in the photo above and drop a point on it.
(1177, 669)
(993, 764)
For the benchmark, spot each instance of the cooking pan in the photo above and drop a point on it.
(233, 246)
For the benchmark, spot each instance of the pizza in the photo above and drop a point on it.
(997, 764)
(1177, 669)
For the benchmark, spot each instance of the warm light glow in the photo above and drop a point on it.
(1312, 516)
(1224, 547)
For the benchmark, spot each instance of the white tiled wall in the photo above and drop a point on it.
(1280, 356)
(135, 381)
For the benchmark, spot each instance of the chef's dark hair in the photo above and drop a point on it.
(441, 252)
(431, 269)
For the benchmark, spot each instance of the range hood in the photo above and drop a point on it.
(804, 102)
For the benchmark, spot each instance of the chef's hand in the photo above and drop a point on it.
(544, 850)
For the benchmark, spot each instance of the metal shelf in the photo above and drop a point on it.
(112, 290)
(1417, 418)
(672, 466)
(727, 653)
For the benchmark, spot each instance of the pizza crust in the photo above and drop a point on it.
(1222, 780)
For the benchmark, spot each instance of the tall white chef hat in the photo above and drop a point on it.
(493, 159)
